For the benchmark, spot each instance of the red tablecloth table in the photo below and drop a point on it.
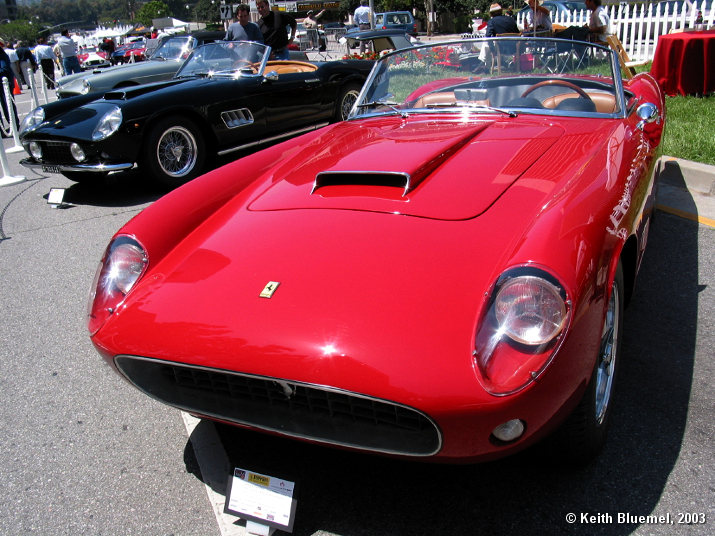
(684, 63)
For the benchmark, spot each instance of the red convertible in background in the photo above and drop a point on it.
(441, 276)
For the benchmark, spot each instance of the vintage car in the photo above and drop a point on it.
(377, 41)
(396, 20)
(442, 276)
(226, 98)
(93, 58)
(163, 64)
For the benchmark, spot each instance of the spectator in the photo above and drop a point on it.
(243, 29)
(362, 18)
(500, 23)
(26, 61)
(6, 72)
(273, 27)
(598, 22)
(310, 23)
(538, 17)
(68, 51)
(14, 63)
(46, 58)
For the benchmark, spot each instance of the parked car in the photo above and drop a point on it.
(303, 39)
(441, 276)
(227, 97)
(378, 41)
(162, 65)
(396, 20)
(559, 8)
(93, 58)
(131, 52)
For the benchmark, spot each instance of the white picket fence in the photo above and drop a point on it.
(639, 27)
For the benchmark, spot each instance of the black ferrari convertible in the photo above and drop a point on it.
(227, 97)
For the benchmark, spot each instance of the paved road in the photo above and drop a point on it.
(83, 453)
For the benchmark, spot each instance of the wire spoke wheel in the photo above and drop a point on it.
(176, 152)
(607, 359)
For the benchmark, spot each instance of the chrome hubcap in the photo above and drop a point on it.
(607, 357)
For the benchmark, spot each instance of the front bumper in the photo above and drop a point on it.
(89, 168)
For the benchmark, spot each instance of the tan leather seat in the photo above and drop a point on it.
(605, 103)
(286, 66)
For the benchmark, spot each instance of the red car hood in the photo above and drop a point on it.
(368, 299)
(419, 168)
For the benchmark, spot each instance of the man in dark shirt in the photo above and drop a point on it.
(26, 60)
(273, 25)
(499, 23)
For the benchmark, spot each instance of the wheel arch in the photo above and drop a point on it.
(184, 113)
(629, 261)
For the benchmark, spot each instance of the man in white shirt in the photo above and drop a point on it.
(362, 18)
(598, 23)
(46, 58)
(68, 51)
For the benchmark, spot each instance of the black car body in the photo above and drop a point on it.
(227, 97)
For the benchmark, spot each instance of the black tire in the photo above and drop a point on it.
(584, 433)
(85, 177)
(346, 98)
(174, 152)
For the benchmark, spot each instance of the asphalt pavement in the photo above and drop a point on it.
(83, 453)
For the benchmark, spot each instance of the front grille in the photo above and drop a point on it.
(294, 409)
(56, 152)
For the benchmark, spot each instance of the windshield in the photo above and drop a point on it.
(499, 75)
(174, 48)
(226, 59)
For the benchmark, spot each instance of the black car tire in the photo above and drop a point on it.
(346, 98)
(583, 434)
(174, 151)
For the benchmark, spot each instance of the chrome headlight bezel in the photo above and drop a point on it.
(108, 124)
(86, 87)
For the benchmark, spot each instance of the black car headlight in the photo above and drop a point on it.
(86, 87)
(108, 124)
(32, 120)
(77, 152)
(35, 150)
(524, 324)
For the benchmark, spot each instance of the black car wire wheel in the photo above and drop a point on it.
(176, 151)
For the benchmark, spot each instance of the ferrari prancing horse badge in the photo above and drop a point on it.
(269, 289)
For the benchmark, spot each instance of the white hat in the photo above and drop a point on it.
(494, 7)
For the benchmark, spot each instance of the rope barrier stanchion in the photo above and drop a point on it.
(7, 179)
(30, 76)
(11, 110)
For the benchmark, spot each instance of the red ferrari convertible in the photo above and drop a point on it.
(441, 276)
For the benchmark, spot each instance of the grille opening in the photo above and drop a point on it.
(293, 409)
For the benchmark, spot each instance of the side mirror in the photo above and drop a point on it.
(272, 75)
(648, 113)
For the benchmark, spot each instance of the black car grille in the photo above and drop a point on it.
(56, 152)
(294, 409)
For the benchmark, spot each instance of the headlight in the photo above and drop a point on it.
(530, 310)
(86, 87)
(108, 124)
(521, 330)
(124, 262)
(32, 120)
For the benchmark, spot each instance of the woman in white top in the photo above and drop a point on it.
(598, 23)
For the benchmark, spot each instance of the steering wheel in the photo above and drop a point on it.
(557, 82)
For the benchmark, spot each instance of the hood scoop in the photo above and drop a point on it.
(402, 181)
(128, 92)
(415, 167)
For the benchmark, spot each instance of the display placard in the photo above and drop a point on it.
(261, 498)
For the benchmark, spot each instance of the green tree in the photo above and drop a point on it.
(155, 9)
(207, 11)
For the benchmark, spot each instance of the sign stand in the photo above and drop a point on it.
(266, 503)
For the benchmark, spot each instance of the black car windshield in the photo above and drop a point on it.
(501, 75)
(226, 59)
(174, 48)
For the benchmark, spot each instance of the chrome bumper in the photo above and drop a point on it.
(88, 168)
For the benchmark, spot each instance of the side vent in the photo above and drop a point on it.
(363, 178)
(237, 118)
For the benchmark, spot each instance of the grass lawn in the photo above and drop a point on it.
(689, 131)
